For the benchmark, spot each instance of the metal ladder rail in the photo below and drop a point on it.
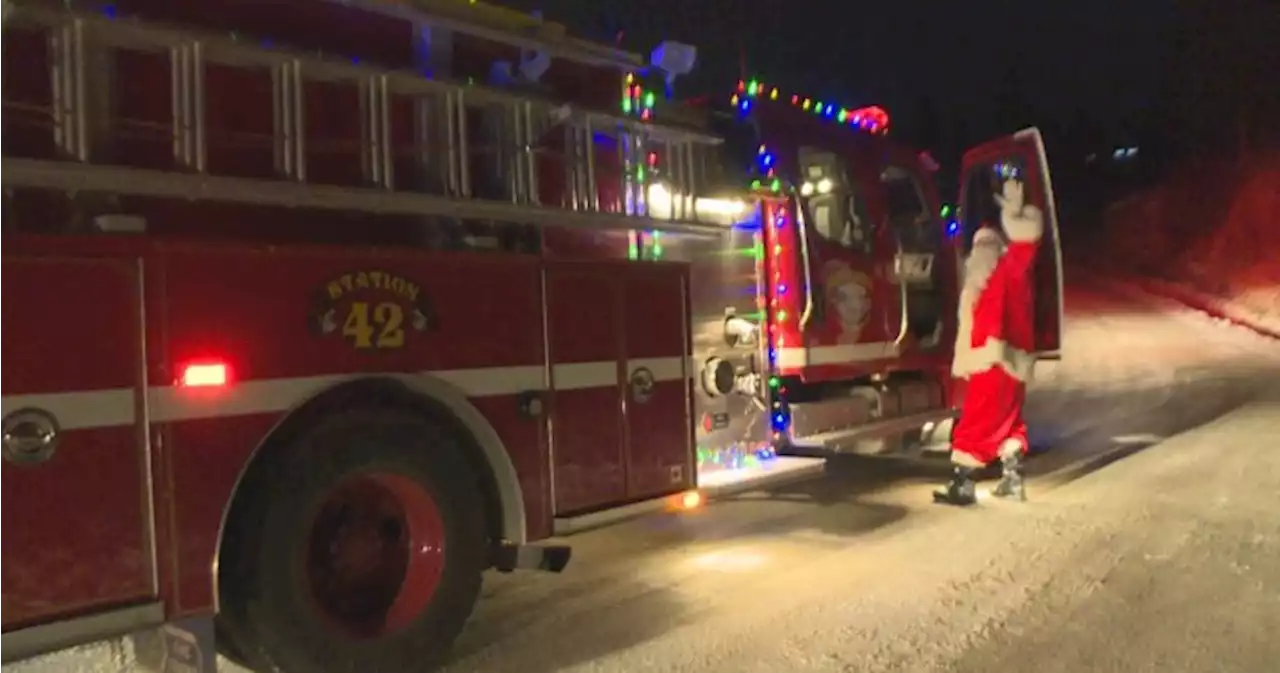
(188, 56)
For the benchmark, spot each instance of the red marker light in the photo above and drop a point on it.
(203, 375)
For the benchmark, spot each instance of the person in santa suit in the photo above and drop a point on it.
(994, 340)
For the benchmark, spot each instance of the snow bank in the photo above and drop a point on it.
(1209, 236)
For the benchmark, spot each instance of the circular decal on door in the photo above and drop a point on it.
(642, 384)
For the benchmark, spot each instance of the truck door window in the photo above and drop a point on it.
(909, 217)
(837, 206)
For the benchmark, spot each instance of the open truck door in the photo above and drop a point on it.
(1021, 156)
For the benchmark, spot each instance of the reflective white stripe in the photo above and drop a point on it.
(994, 353)
(836, 355)
(116, 407)
(664, 369)
(579, 375)
(78, 410)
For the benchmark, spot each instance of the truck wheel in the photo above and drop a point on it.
(369, 551)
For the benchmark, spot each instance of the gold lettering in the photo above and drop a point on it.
(376, 280)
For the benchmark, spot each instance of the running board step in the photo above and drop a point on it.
(859, 439)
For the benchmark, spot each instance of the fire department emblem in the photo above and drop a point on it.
(371, 309)
(848, 296)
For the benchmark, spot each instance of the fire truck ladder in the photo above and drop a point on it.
(80, 42)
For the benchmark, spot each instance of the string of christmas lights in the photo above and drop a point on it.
(872, 119)
(736, 456)
(636, 99)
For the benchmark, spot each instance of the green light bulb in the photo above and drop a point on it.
(649, 99)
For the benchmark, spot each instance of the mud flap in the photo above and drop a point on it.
(550, 558)
(183, 646)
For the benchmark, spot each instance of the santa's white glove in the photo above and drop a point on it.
(1021, 221)
(1011, 199)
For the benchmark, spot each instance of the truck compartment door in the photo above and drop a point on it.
(1020, 155)
(659, 434)
(77, 516)
(584, 337)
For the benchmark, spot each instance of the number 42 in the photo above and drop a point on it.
(379, 326)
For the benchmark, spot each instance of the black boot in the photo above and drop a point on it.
(960, 491)
(1011, 486)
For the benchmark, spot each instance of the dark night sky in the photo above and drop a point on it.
(1100, 57)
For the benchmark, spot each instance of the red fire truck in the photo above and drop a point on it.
(305, 329)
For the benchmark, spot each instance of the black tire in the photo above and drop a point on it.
(285, 628)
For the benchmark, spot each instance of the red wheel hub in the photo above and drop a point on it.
(376, 554)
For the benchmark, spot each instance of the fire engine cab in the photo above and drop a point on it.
(315, 310)
(825, 323)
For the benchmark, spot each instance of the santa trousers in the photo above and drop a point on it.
(991, 414)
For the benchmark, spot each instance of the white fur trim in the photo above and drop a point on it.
(994, 353)
(984, 235)
(963, 459)
(1012, 447)
(982, 262)
(1023, 225)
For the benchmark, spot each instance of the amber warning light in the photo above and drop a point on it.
(204, 375)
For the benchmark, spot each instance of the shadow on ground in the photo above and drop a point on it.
(1076, 434)
(623, 587)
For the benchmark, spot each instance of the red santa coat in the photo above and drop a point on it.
(995, 338)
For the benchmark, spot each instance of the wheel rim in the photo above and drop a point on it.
(375, 554)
